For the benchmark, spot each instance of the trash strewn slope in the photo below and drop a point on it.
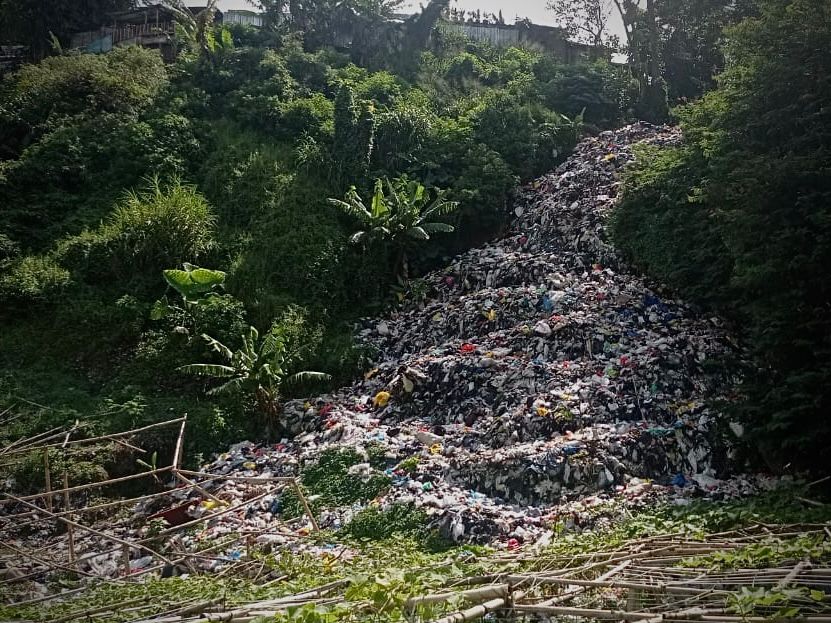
(535, 372)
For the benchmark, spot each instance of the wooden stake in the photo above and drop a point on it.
(177, 453)
(69, 527)
(48, 479)
(125, 557)
(305, 504)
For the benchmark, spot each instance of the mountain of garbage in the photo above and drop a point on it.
(536, 373)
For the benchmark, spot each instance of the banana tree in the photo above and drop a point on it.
(261, 368)
(401, 215)
(195, 27)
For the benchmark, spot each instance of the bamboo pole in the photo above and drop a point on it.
(582, 589)
(189, 482)
(125, 558)
(792, 574)
(177, 453)
(251, 479)
(590, 613)
(110, 437)
(205, 518)
(48, 477)
(47, 563)
(484, 593)
(69, 527)
(28, 441)
(38, 600)
(91, 485)
(103, 535)
(85, 614)
(305, 504)
(478, 611)
(656, 588)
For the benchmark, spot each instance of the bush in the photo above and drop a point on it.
(312, 115)
(399, 520)
(528, 137)
(158, 227)
(9, 249)
(28, 473)
(465, 68)
(599, 91)
(381, 87)
(400, 136)
(740, 218)
(71, 177)
(33, 279)
(126, 81)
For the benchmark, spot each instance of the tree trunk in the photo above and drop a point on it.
(653, 66)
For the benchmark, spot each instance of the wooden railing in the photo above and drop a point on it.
(134, 31)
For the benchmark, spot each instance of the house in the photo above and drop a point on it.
(244, 18)
(152, 26)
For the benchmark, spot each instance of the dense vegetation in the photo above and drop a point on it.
(739, 218)
(115, 168)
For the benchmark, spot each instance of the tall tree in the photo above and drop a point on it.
(691, 41)
(586, 21)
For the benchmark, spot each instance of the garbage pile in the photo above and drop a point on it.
(539, 383)
(537, 371)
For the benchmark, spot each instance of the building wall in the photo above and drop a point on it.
(500, 36)
(246, 18)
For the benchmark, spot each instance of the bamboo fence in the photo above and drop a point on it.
(659, 579)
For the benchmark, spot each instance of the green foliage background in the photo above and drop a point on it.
(739, 218)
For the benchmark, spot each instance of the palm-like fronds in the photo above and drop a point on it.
(259, 366)
(219, 347)
(307, 376)
(399, 212)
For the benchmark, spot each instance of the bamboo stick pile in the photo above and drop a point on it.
(52, 534)
(668, 578)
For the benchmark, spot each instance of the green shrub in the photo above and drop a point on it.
(465, 68)
(399, 520)
(28, 473)
(33, 278)
(150, 230)
(666, 226)
(400, 136)
(529, 137)
(381, 87)
(312, 115)
(9, 249)
(599, 91)
(70, 178)
(740, 219)
(125, 80)
(329, 482)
